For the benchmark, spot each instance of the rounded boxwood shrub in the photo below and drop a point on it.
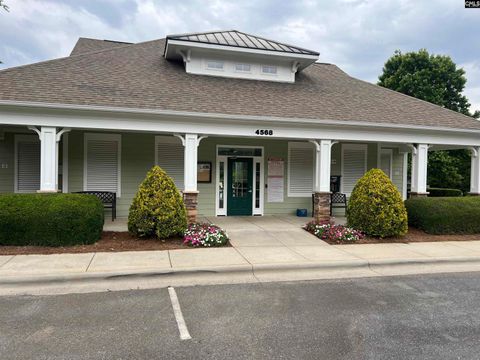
(376, 207)
(50, 219)
(158, 208)
(444, 192)
(445, 215)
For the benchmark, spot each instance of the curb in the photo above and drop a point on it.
(240, 269)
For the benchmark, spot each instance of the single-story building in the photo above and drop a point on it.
(244, 125)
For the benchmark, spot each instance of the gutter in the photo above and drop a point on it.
(232, 117)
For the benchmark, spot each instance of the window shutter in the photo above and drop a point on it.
(102, 169)
(386, 161)
(354, 166)
(28, 166)
(170, 157)
(300, 169)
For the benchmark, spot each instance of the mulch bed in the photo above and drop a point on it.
(110, 242)
(416, 235)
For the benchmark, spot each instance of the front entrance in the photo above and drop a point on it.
(240, 186)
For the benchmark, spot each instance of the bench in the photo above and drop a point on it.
(337, 200)
(108, 199)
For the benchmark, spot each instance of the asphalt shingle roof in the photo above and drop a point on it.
(86, 45)
(138, 76)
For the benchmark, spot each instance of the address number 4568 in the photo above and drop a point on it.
(264, 132)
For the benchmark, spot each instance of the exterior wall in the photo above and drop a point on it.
(199, 59)
(7, 166)
(138, 156)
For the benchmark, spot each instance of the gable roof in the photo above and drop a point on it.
(138, 76)
(237, 38)
(86, 45)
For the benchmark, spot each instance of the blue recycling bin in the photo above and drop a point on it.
(302, 212)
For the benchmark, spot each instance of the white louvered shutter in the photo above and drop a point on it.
(102, 172)
(170, 157)
(28, 166)
(354, 166)
(300, 169)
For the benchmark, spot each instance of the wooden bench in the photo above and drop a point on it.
(108, 199)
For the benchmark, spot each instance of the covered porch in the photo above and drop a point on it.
(224, 165)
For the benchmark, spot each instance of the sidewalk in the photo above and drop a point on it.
(239, 264)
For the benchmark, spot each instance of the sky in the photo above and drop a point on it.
(356, 35)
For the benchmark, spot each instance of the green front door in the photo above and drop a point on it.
(240, 186)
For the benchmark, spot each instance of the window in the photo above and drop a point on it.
(102, 161)
(242, 67)
(269, 69)
(169, 155)
(239, 151)
(354, 165)
(27, 163)
(300, 169)
(214, 65)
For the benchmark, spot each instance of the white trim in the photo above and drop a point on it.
(299, 145)
(241, 49)
(390, 152)
(405, 176)
(352, 147)
(17, 139)
(138, 125)
(255, 159)
(102, 136)
(65, 164)
(221, 211)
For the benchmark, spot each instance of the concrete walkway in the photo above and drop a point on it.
(264, 249)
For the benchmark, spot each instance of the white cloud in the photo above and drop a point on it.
(357, 35)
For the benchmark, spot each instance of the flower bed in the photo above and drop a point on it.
(204, 234)
(333, 233)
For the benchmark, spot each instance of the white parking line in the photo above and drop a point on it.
(177, 311)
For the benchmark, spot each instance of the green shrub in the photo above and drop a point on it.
(443, 192)
(453, 215)
(157, 209)
(50, 219)
(376, 207)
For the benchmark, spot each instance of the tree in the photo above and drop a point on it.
(433, 78)
(3, 5)
(436, 79)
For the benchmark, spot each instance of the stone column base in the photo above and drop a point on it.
(190, 198)
(473, 194)
(321, 206)
(419, 194)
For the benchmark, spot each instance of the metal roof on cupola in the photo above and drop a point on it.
(237, 45)
(240, 39)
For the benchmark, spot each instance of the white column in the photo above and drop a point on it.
(419, 169)
(323, 161)
(190, 162)
(48, 159)
(475, 171)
